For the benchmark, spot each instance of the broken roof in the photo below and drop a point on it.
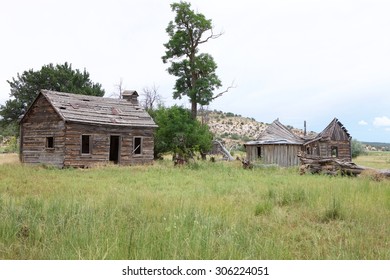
(277, 133)
(97, 110)
(335, 130)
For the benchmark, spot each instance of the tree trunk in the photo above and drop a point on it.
(224, 151)
(194, 109)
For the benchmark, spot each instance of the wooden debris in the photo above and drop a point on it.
(246, 164)
(335, 166)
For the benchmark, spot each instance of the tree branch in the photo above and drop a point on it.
(212, 36)
(225, 91)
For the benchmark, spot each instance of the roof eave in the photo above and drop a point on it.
(110, 124)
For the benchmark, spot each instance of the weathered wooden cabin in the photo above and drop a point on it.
(278, 145)
(333, 141)
(275, 145)
(71, 130)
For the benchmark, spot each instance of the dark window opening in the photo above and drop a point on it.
(137, 146)
(259, 152)
(308, 150)
(50, 142)
(114, 149)
(334, 151)
(86, 144)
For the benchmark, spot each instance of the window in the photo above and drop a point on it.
(50, 142)
(137, 147)
(334, 151)
(85, 144)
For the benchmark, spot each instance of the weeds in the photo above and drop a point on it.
(263, 208)
(207, 211)
(333, 212)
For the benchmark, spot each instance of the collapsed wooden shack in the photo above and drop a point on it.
(333, 142)
(278, 145)
(65, 129)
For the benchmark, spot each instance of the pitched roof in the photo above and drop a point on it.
(277, 133)
(97, 110)
(335, 131)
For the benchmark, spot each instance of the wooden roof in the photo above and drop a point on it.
(97, 110)
(335, 131)
(277, 133)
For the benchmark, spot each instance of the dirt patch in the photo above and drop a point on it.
(9, 158)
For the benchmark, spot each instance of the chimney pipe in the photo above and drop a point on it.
(304, 128)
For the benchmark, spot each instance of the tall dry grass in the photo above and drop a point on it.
(202, 211)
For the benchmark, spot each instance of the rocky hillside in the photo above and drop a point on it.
(231, 128)
(235, 130)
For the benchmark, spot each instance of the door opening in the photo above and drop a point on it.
(259, 152)
(114, 149)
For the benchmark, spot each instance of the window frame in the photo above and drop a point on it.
(334, 151)
(138, 147)
(49, 140)
(89, 144)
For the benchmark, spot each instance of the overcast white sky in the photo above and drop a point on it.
(294, 60)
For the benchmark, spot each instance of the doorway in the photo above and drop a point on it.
(114, 149)
(259, 155)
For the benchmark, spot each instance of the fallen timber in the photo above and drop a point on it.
(335, 166)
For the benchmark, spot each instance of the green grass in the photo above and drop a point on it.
(380, 160)
(204, 211)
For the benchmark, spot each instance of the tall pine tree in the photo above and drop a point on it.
(195, 72)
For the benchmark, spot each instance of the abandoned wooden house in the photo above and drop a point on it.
(275, 145)
(72, 130)
(278, 145)
(333, 141)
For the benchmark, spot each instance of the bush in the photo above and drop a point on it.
(178, 133)
(357, 148)
(229, 114)
(12, 145)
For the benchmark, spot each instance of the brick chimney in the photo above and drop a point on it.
(131, 96)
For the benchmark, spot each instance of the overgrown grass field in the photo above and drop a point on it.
(201, 211)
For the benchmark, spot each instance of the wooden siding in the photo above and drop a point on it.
(42, 122)
(63, 118)
(283, 155)
(324, 148)
(335, 135)
(100, 144)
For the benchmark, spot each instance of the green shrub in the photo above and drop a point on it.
(357, 148)
(12, 145)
